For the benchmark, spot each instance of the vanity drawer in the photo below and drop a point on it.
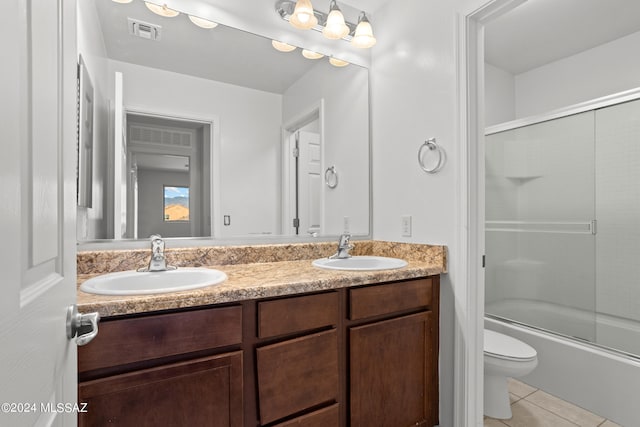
(385, 299)
(297, 314)
(125, 341)
(297, 374)
(325, 417)
(200, 392)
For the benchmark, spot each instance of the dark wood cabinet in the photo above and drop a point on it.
(201, 392)
(173, 369)
(390, 369)
(393, 354)
(354, 357)
(297, 374)
(325, 417)
(297, 358)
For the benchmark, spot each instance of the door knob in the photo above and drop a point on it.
(76, 321)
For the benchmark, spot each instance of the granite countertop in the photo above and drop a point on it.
(253, 272)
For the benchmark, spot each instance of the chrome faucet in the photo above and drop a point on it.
(343, 247)
(158, 262)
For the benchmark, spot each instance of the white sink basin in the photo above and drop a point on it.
(360, 263)
(137, 283)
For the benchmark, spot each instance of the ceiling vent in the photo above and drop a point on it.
(144, 29)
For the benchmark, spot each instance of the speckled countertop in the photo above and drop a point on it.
(254, 271)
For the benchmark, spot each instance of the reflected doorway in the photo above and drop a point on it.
(302, 176)
(168, 182)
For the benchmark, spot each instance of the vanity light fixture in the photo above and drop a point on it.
(202, 23)
(363, 37)
(303, 16)
(281, 46)
(123, 1)
(331, 25)
(335, 28)
(309, 54)
(338, 62)
(161, 10)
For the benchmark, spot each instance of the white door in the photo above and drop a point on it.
(309, 182)
(37, 213)
(120, 178)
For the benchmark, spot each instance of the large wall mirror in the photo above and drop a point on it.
(213, 133)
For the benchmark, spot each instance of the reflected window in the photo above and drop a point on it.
(176, 203)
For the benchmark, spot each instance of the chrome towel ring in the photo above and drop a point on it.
(432, 146)
(331, 177)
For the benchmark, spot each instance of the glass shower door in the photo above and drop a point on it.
(540, 210)
(618, 238)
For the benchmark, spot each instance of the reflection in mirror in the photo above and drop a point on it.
(168, 181)
(176, 203)
(242, 105)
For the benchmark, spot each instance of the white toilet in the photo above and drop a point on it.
(504, 356)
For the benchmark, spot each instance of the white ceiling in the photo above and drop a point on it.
(222, 53)
(533, 34)
(369, 6)
(542, 31)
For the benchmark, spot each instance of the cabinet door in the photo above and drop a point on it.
(391, 364)
(200, 392)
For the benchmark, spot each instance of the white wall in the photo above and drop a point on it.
(610, 68)
(500, 95)
(591, 74)
(346, 138)
(91, 222)
(414, 97)
(250, 154)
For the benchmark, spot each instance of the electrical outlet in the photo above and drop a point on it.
(345, 224)
(406, 226)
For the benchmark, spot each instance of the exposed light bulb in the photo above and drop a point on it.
(281, 46)
(203, 23)
(338, 62)
(303, 17)
(309, 54)
(335, 27)
(363, 36)
(162, 10)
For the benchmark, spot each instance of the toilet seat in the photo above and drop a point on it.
(505, 347)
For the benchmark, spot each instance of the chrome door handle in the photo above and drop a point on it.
(75, 321)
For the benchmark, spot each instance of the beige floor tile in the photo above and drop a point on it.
(492, 422)
(566, 410)
(519, 388)
(609, 423)
(513, 398)
(526, 414)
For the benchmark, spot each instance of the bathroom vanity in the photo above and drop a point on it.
(293, 346)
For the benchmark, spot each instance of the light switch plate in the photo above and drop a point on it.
(406, 226)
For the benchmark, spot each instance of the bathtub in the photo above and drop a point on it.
(599, 379)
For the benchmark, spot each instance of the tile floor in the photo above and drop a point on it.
(532, 407)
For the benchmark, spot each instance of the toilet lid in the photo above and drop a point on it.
(506, 347)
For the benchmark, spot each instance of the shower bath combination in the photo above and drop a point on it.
(562, 231)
